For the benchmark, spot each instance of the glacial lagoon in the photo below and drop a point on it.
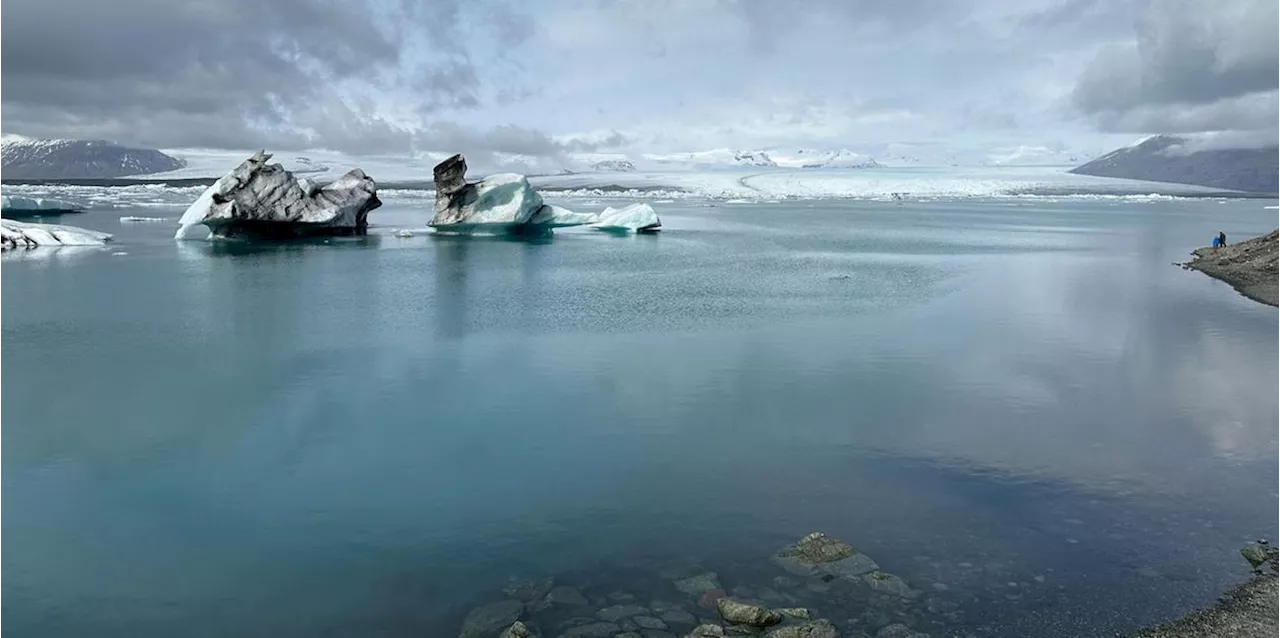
(1016, 406)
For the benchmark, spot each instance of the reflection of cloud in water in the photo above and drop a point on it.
(1220, 381)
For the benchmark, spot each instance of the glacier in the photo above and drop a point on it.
(265, 200)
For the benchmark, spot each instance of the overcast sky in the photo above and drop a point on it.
(543, 77)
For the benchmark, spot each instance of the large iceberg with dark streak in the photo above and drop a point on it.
(258, 199)
(507, 203)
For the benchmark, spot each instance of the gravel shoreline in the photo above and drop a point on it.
(1247, 611)
(1249, 266)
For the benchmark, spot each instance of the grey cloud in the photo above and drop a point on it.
(509, 139)
(222, 74)
(1193, 66)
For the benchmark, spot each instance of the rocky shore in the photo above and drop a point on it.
(820, 587)
(1249, 266)
(1247, 611)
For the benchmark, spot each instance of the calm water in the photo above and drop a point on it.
(1021, 402)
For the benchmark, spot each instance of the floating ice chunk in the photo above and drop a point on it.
(15, 234)
(130, 219)
(502, 199)
(502, 203)
(635, 217)
(265, 200)
(36, 204)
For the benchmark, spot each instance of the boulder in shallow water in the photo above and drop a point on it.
(822, 555)
(746, 614)
(258, 199)
(1259, 553)
(698, 584)
(821, 628)
(517, 630)
(887, 583)
(706, 631)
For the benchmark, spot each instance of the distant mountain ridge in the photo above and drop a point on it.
(80, 159)
(1170, 158)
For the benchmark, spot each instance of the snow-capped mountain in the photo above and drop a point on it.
(70, 159)
(810, 158)
(1188, 160)
(616, 166)
(715, 157)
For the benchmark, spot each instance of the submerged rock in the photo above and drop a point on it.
(820, 555)
(488, 620)
(679, 617)
(708, 599)
(706, 631)
(698, 584)
(565, 595)
(821, 628)
(258, 199)
(593, 630)
(15, 234)
(618, 612)
(649, 622)
(887, 583)
(746, 614)
(528, 589)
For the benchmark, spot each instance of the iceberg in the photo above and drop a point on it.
(637, 218)
(502, 203)
(15, 234)
(35, 205)
(258, 199)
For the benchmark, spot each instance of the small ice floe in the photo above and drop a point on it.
(119, 253)
(130, 219)
(404, 232)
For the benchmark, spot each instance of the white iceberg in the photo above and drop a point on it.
(265, 200)
(17, 203)
(16, 234)
(502, 203)
(638, 218)
(502, 199)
